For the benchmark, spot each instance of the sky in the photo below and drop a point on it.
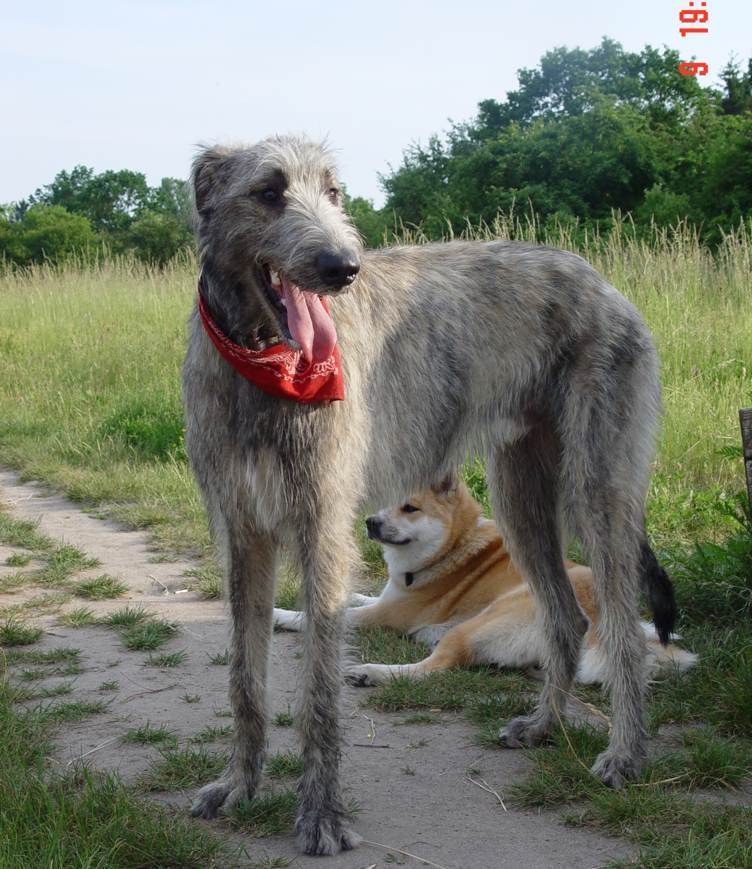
(139, 85)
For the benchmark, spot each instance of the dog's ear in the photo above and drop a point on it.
(206, 168)
(447, 486)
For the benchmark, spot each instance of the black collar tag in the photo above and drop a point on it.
(409, 578)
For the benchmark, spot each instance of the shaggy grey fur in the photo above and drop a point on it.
(521, 352)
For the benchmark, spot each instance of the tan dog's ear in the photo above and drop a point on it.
(448, 486)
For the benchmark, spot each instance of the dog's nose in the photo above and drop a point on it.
(372, 526)
(337, 270)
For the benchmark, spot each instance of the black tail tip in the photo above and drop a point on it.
(659, 590)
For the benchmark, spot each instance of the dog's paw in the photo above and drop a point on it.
(615, 770)
(221, 795)
(527, 731)
(363, 675)
(324, 835)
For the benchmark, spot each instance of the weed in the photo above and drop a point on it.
(76, 710)
(284, 764)
(62, 563)
(106, 687)
(167, 659)
(183, 768)
(48, 656)
(78, 618)
(17, 633)
(212, 734)
(146, 636)
(283, 719)
(267, 815)
(191, 698)
(220, 659)
(22, 533)
(149, 735)
(101, 587)
(208, 580)
(18, 559)
(127, 617)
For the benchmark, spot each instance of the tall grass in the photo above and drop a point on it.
(90, 357)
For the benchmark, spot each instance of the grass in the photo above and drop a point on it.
(75, 710)
(15, 632)
(48, 656)
(127, 617)
(284, 764)
(78, 618)
(18, 559)
(270, 814)
(183, 768)
(145, 636)
(675, 832)
(221, 659)
(83, 819)
(283, 719)
(101, 587)
(167, 659)
(212, 733)
(115, 436)
(62, 563)
(84, 418)
(147, 734)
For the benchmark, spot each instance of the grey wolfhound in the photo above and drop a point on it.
(522, 353)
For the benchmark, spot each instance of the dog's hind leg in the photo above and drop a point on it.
(524, 484)
(610, 430)
(251, 575)
(326, 558)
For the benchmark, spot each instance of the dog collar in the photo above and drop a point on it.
(279, 370)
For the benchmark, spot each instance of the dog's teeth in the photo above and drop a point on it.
(275, 279)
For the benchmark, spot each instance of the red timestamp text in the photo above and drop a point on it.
(694, 16)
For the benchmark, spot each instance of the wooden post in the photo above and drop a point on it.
(745, 419)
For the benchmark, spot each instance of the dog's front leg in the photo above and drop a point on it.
(326, 558)
(251, 574)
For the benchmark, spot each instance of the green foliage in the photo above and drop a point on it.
(80, 211)
(83, 819)
(17, 633)
(183, 768)
(152, 427)
(45, 234)
(586, 134)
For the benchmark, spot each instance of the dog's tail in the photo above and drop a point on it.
(659, 590)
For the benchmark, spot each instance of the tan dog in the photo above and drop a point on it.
(453, 586)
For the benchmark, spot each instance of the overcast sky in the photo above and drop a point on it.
(137, 85)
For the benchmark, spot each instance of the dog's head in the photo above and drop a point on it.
(269, 217)
(428, 524)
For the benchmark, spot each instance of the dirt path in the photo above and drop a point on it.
(412, 791)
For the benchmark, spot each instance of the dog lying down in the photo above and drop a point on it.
(453, 586)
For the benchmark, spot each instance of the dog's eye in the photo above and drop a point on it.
(333, 194)
(270, 196)
(409, 508)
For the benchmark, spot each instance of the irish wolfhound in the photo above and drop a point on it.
(520, 352)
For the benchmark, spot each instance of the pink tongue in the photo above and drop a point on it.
(309, 323)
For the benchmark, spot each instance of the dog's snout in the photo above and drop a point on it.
(337, 270)
(372, 526)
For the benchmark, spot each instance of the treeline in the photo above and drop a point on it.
(81, 211)
(587, 134)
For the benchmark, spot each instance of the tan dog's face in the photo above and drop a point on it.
(415, 531)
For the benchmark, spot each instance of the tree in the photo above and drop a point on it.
(45, 233)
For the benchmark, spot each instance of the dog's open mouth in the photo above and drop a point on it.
(301, 316)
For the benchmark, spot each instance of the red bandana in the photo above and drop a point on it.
(279, 370)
